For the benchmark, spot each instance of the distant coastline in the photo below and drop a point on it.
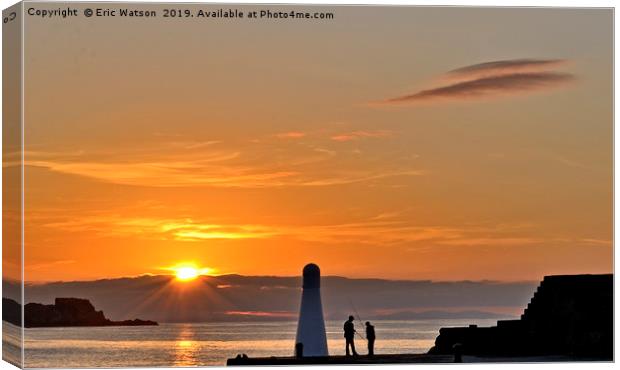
(275, 298)
(65, 312)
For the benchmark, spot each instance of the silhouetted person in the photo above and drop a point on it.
(349, 336)
(370, 336)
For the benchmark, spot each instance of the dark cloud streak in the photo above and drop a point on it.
(508, 66)
(491, 80)
(489, 86)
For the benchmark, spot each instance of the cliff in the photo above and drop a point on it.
(11, 311)
(568, 315)
(64, 312)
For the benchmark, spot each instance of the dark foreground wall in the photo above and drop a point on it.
(568, 315)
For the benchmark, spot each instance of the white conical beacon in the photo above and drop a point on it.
(311, 326)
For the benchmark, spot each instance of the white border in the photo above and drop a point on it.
(484, 3)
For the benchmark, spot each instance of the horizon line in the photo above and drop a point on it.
(172, 276)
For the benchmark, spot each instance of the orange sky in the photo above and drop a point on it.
(365, 144)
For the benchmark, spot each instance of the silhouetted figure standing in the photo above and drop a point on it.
(349, 336)
(370, 336)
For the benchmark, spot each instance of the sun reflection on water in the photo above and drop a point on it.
(186, 349)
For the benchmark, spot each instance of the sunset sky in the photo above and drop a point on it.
(409, 143)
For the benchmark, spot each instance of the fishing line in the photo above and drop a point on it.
(358, 317)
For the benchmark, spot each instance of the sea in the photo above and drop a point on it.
(204, 344)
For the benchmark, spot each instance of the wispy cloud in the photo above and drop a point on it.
(49, 264)
(384, 229)
(291, 135)
(205, 164)
(497, 241)
(503, 67)
(488, 86)
(189, 174)
(571, 162)
(343, 179)
(195, 144)
(597, 241)
(356, 135)
(371, 231)
(186, 229)
(491, 80)
(174, 173)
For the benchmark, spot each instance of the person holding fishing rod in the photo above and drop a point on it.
(349, 336)
(370, 332)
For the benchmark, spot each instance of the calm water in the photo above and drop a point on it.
(208, 343)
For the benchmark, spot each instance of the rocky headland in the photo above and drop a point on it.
(64, 312)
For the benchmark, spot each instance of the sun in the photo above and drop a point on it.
(189, 271)
(186, 273)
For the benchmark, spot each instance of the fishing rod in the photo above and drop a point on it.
(358, 317)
